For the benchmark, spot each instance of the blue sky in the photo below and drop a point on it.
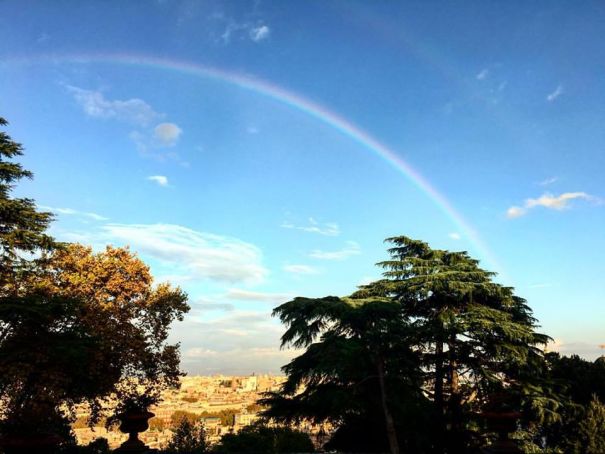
(246, 199)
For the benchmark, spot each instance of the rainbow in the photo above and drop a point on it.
(297, 102)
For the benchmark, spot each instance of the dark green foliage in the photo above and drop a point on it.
(358, 367)
(188, 438)
(591, 430)
(259, 439)
(22, 227)
(37, 358)
(435, 328)
(581, 388)
(476, 337)
(74, 326)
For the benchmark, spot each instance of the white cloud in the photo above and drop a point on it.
(246, 295)
(167, 134)
(72, 212)
(548, 181)
(191, 254)
(259, 33)
(352, 248)
(454, 236)
(555, 94)
(203, 306)
(132, 110)
(328, 229)
(300, 269)
(549, 201)
(482, 74)
(556, 202)
(515, 212)
(159, 179)
(238, 343)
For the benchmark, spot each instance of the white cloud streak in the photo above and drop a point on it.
(482, 74)
(327, 229)
(260, 33)
(549, 201)
(454, 236)
(94, 104)
(548, 181)
(192, 254)
(352, 248)
(72, 212)
(555, 94)
(247, 295)
(161, 180)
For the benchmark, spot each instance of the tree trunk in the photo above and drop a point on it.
(439, 401)
(388, 418)
(456, 443)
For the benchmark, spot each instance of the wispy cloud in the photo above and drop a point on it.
(226, 29)
(72, 212)
(187, 253)
(548, 181)
(328, 229)
(203, 306)
(301, 269)
(264, 297)
(95, 104)
(548, 201)
(259, 33)
(238, 343)
(454, 236)
(482, 74)
(555, 94)
(161, 180)
(352, 248)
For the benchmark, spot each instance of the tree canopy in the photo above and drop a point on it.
(75, 325)
(436, 328)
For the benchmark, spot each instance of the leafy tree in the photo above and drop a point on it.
(260, 439)
(128, 314)
(358, 370)
(435, 325)
(581, 386)
(178, 416)
(40, 337)
(75, 326)
(592, 429)
(188, 438)
(476, 337)
(22, 228)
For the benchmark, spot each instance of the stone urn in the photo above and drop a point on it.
(132, 422)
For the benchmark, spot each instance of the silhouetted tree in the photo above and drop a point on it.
(259, 439)
(188, 438)
(476, 337)
(358, 370)
(74, 326)
(437, 326)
